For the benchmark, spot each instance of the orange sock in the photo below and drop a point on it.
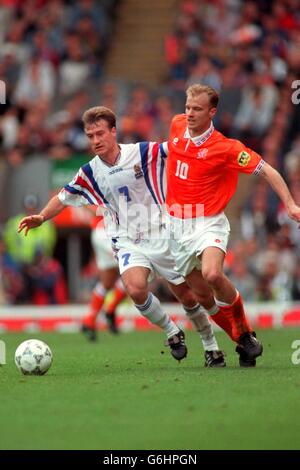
(235, 314)
(240, 322)
(117, 296)
(223, 320)
(96, 303)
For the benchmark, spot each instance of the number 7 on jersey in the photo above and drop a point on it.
(125, 191)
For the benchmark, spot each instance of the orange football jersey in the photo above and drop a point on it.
(204, 170)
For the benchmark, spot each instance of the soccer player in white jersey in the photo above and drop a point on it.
(128, 180)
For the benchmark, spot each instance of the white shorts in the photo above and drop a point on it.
(105, 258)
(153, 254)
(190, 237)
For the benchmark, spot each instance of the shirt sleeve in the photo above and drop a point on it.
(244, 159)
(163, 149)
(156, 152)
(77, 193)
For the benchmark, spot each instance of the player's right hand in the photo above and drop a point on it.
(29, 222)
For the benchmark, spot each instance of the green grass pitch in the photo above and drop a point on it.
(122, 393)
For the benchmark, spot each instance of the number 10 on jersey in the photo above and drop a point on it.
(182, 170)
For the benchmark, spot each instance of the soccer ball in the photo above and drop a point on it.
(33, 357)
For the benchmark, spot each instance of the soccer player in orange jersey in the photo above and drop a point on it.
(202, 174)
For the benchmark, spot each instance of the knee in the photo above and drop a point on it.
(137, 293)
(213, 277)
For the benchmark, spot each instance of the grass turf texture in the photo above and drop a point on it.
(122, 393)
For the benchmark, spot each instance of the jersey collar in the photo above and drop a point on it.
(116, 162)
(200, 139)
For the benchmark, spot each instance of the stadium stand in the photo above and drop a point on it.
(59, 57)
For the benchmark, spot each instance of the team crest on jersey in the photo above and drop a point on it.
(243, 158)
(138, 171)
(175, 140)
(201, 155)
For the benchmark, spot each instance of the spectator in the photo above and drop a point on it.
(23, 251)
(274, 284)
(256, 110)
(206, 73)
(44, 280)
(75, 69)
(36, 82)
(11, 283)
(243, 280)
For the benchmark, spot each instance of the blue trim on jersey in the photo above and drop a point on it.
(87, 170)
(72, 190)
(162, 151)
(144, 147)
(161, 179)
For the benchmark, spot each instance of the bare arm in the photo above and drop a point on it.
(53, 208)
(281, 189)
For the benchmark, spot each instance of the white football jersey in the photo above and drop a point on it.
(132, 191)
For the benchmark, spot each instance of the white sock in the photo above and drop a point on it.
(199, 318)
(219, 303)
(152, 310)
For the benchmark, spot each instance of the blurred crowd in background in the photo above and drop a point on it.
(52, 60)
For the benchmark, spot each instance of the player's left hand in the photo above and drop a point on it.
(29, 222)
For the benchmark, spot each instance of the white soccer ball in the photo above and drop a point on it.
(33, 357)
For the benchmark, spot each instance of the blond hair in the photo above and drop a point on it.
(93, 115)
(197, 89)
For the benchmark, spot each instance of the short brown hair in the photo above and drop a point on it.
(92, 115)
(196, 89)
